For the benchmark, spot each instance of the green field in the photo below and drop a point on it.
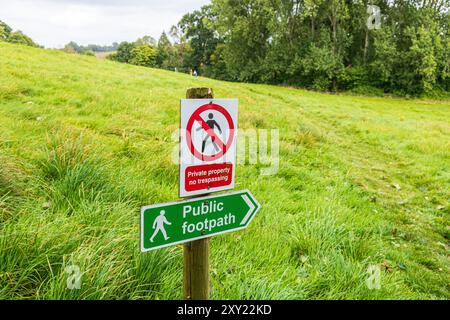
(84, 143)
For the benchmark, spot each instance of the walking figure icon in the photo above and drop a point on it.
(158, 225)
(212, 124)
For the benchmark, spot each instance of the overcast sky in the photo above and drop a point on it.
(53, 23)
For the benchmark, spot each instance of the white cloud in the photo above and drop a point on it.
(53, 23)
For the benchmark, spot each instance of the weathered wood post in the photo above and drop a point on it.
(196, 253)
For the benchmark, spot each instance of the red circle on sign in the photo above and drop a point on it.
(196, 117)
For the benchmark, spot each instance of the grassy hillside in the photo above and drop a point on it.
(84, 143)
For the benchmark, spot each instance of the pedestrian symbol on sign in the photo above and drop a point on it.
(159, 225)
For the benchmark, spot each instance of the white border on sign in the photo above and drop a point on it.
(153, 206)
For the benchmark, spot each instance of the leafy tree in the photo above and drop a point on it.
(164, 52)
(420, 73)
(124, 52)
(311, 11)
(244, 24)
(181, 57)
(143, 55)
(442, 49)
(198, 28)
(218, 63)
(319, 65)
(383, 64)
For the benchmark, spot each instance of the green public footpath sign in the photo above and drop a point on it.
(173, 223)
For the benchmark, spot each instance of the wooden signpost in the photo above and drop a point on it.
(196, 253)
(207, 164)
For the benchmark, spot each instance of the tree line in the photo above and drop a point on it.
(73, 47)
(402, 47)
(323, 44)
(172, 52)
